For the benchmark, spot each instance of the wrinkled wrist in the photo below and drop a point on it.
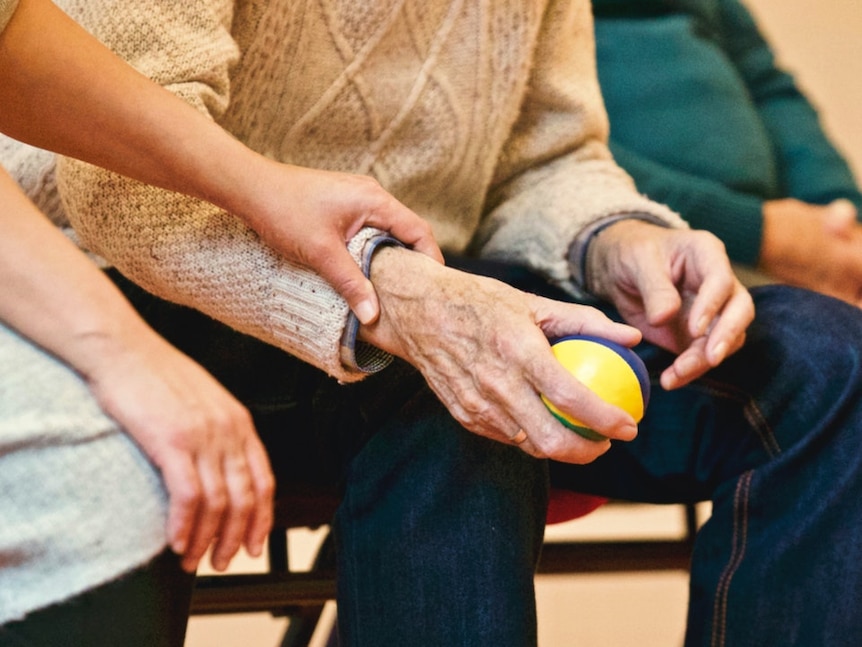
(578, 255)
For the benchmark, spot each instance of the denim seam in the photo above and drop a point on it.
(753, 415)
(759, 424)
(739, 539)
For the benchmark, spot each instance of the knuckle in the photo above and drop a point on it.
(181, 434)
(708, 239)
(568, 400)
(243, 502)
(216, 501)
(241, 415)
(265, 486)
(187, 495)
(474, 405)
(220, 419)
(549, 445)
(232, 421)
(367, 182)
(368, 188)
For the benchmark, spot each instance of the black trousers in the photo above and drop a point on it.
(149, 607)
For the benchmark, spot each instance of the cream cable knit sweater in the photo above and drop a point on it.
(7, 8)
(484, 116)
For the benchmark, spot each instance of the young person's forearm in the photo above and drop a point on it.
(109, 114)
(53, 294)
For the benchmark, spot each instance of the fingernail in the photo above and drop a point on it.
(668, 380)
(628, 432)
(364, 311)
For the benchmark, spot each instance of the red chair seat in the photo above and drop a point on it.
(564, 505)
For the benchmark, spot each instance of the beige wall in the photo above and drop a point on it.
(820, 41)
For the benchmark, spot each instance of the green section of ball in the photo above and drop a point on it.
(586, 432)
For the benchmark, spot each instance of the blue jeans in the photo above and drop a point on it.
(773, 437)
(440, 530)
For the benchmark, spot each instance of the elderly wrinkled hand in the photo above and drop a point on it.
(678, 288)
(483, 348)
(818, 247)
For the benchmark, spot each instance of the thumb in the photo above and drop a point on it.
(342, 273)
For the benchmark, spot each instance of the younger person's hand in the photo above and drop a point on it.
(214, 466)
(308, 216)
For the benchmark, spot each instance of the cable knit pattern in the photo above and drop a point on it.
(483, 116)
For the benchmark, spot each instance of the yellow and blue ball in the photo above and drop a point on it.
(615, 373)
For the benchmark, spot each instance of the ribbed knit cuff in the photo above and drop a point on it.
(580, 246)
(309, 319)
(357, 355)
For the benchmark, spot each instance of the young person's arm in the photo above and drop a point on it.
(201, 439)
(62, 90)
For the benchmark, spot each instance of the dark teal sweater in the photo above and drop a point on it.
(705, 122)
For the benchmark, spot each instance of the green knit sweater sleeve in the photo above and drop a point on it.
(810, 167)
(706, 121)
(733, 216)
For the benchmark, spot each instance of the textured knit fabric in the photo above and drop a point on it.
(704, 119)
(7, 8)
(79, 503)
(484, 118)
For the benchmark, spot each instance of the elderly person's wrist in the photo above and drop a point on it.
(579, 251)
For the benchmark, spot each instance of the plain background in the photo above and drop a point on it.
(819, 43)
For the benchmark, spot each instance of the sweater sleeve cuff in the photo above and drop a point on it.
(578, 250)
(7, 9)
(355, 354)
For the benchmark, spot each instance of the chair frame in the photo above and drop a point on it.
(301, 595)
